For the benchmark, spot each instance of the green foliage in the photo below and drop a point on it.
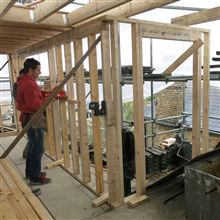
(128, 111)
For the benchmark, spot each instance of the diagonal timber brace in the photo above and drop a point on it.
(50, 98)
(196, 45)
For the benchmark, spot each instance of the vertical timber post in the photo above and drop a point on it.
(206, 76)
(114, 189)
(80, 87)
(138, 103)
(93, 72)
(71, 111)
(196, 105)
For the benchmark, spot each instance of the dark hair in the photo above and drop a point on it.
(30, 63)
(22, 72)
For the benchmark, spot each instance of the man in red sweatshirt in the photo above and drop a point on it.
(29, 99)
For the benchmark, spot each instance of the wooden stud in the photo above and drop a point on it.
(73, 131)
(114, 187)
(196, 45)
(49, 100)
(196, 105)
(117, 97)
(138, 110)
(63, 109)
(55, 105)
(109, 129)
(50, 131)
(206, 76)
(80, 88)
(93, 71)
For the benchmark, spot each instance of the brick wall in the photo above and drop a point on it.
(169, 102)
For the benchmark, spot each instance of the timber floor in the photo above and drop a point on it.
(16, 199)
(67, 199)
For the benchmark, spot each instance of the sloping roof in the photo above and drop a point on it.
(214, 106)
(33, 21)
(27, 22)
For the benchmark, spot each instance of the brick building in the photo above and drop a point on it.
(174, 101)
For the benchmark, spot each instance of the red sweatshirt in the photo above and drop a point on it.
(29, 97)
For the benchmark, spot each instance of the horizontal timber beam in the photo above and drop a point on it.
(198, 17)
(92, 9)
(68, 36)
(48, 7)
(168, 32)
(136, 7)
(17, 14)
(28, 31)
(5, 6)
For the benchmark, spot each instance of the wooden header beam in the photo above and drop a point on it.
(168, 32)
(198, 17)
(5, 6)
(68, 36)
(48, 7)
(92, 9)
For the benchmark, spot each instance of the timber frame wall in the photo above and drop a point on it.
(61, 123)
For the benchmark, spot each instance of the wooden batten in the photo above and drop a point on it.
(80, 88)
(93, 71)
(196, 45)
(55, 105)
(198, 17)
(63, 109)
(206, 76)
(138, 110)
(116, 73)
(196, 103)
(73, 131)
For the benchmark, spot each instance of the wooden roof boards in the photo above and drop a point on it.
(45, 16)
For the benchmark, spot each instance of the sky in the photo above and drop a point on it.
(164, 51)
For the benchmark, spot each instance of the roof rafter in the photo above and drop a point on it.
(138, 6)
(17, 14)
(92, 9)
(48, 7)
(198, 17)
(5, 6)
